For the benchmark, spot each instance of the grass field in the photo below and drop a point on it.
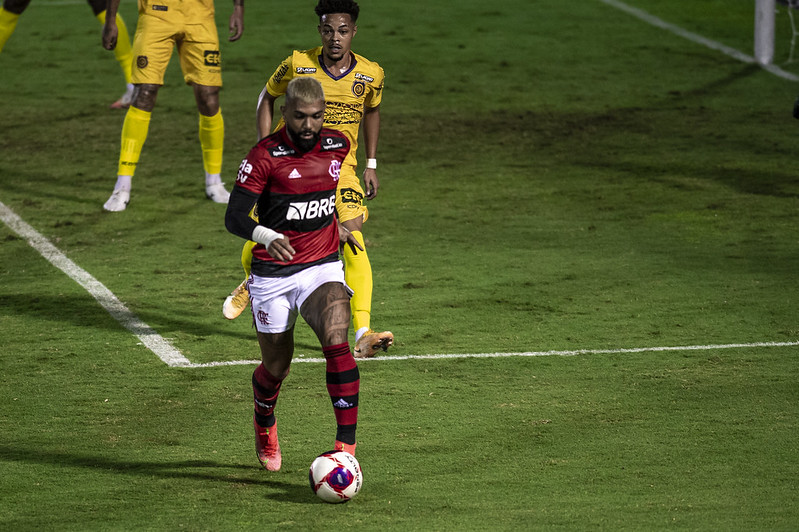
(556, 177)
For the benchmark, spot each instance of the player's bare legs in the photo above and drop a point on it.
(327, 312)
(212, 136)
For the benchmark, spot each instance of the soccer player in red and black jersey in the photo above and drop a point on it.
(291, 177)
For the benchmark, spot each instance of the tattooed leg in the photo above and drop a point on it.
(327, 312)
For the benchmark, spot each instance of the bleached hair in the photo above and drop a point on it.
(304, 89)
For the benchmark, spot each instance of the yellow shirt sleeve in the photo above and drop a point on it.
(279, 80)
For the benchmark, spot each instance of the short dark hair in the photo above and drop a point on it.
(327, 7)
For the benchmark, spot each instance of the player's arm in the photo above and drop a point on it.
(265, 113)
(110, 30)
(238, 222)
(236, 24)
(371, 132)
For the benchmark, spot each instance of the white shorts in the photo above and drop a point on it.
(276, 301)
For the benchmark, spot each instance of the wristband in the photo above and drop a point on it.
(371, 164)
(264, 235)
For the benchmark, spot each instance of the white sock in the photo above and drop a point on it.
(360, 332)
(123, 182)
(212, 179)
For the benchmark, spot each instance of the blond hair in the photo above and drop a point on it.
(305, 89)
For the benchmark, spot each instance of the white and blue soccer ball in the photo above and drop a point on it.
(335, 476)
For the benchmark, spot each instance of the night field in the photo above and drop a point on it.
(585, 242)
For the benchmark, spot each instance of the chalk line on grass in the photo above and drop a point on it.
(574, 352)
(174, 358)
(151, 339)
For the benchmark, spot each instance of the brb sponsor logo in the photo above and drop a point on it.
(309, 210)
(245, 168)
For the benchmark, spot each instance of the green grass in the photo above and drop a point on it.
(555, 176)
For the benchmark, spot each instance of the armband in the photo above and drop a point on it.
(264, 235)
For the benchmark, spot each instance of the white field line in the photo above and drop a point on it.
(699, 39)
(173, 358)
(575, 352)
(151, 339)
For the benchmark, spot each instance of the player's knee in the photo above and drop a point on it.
(144, 96)
(207, 99)
(327, 312)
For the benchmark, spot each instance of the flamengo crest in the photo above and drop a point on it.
(335, 169)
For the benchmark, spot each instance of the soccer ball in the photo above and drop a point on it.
(335, 476)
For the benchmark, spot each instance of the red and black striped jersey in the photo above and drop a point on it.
(296, 196)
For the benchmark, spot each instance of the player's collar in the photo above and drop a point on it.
(322, 64)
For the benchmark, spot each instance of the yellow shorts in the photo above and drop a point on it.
(198, 50)
(349, 196)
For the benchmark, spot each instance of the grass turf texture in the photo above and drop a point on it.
(552, 178)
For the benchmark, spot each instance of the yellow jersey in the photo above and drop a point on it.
(185, 11)
(347, 96)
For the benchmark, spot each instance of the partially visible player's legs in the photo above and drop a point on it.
(358, 274)
(9, 15)
(123, 52)
(358, 268)
(212, 140)
(343, 386)
(237, 301)
(154, 43)
(327, 312)
(277, 349)
(266, 388)
(134, 134)
(199, 60)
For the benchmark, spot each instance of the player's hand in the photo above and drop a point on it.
(236, 24)
(280, 249)
(110, 32)
(346, 238)
(370, 183)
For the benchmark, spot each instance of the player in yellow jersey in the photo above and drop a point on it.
(12, 9)
(353, 88)
(189, 26)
